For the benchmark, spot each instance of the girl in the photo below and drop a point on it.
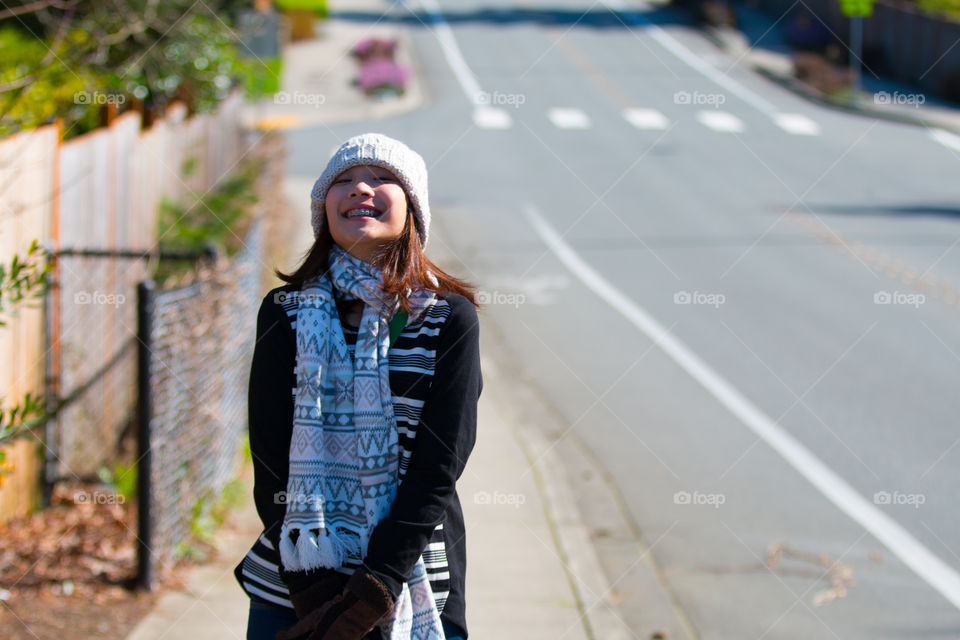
(362, 407)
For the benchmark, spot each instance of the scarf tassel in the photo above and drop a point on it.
(311, 551)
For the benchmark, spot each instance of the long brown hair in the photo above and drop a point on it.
(402, 261)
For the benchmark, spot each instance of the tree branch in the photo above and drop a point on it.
(36, 6)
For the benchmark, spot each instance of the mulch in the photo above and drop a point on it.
(69, 572)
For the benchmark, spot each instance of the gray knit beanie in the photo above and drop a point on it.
(381, 151)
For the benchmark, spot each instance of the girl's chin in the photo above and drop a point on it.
(361, 242)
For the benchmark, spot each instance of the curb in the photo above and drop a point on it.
(806, 91)
(585, 577)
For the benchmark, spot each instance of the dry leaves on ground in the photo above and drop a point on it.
(67, 572)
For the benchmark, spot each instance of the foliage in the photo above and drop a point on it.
(947, 8)
(212, 217)
(15, 419)
(211, 221)
(72, 62)
(261, 77)
(15, 422)
(54, 91)
(122, 478)
(206, 517)
(24, 279)
(196, 62)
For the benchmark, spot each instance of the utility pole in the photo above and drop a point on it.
(856, 10)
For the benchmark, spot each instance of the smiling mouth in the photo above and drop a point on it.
(363, 213)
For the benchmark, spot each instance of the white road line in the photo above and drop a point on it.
(697, 63)
(452, 53)
(898, 540)
(720, 121)
(797, 124)
(564, 118)
(674, 46)
(946, 138)
(646, 118)
(489, 118)
(492, 118)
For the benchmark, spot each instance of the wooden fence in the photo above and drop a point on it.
(98, 192)
(27, 211)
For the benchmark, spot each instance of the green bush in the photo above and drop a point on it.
(190, 56)
(261, 77)
(947, 8)
(54, 91)
(207, 515)
(211, 220)
(197, 63)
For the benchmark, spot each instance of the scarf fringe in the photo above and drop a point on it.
(311, 551)
(288, 552)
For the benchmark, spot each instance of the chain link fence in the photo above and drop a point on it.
(94, 319)
(195, 345)
(104, 191)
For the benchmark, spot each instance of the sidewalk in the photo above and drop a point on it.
(758, 43)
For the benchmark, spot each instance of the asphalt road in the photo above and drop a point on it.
(812, 279)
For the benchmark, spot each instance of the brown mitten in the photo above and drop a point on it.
(364, 603)
(312, 603)
(327, 586)
(307, 625)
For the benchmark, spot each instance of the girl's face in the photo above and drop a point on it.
(366, 209)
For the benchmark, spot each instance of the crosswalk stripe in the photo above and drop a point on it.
(797, 124)
(564, 118)
(720, 121)
(646, 118)
(947, 139)
(487, 117)
(492, 118)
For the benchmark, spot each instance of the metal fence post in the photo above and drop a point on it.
(51, 338)
(145, 574)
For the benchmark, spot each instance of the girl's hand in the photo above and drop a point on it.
(364, 603)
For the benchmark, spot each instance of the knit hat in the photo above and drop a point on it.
(381, 151)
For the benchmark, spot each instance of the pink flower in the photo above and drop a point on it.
(382, 73)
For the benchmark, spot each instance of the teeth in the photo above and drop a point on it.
(362, 212)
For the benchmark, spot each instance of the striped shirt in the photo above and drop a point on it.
(435, 381)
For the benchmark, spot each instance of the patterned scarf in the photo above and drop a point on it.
(344, 454)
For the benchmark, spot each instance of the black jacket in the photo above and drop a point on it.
(434, 447)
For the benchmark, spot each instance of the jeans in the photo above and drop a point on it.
(266, 621)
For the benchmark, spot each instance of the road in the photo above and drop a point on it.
(744, 304)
